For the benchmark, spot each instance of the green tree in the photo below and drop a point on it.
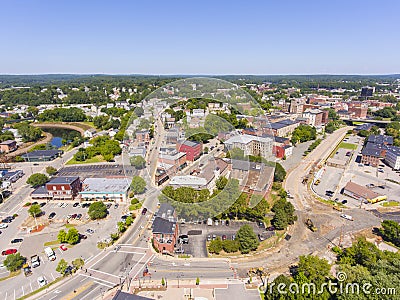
(97, 210)
(138, 185)
(35, 210)
(221, 182)
(247, 239)
(72, 236)
(138, 162)
(215, 246)
(62, 236)
(129, 221)
(14, 262)
(37, 179)
(51, 170)
(314, 268)
(391, 231)
(78, 263)
(62, 266)
(121, 226)
(230, 246)
(279, 173)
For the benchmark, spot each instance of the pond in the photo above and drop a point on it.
(61, 135)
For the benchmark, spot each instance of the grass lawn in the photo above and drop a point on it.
(348, 146)
(51, 243)
(390, 203)
(92, 160)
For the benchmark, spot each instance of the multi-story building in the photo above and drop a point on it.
(251, 145)
(358, 109)
(393, 157)
(297, 106)
(63, 188)
(143, 136)
(314, 117)
(165, 234)
(282, 128)
(192, 149)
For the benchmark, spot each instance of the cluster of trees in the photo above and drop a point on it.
(6, 135)
(124, 123)
(366, 133)
(333, 126)
(391, 232)
(138, 162)
(387, 113)
(393, 129)
(116, 112)
(60, 114)
(64, 268)
(303, 133)
(14, 262)
(246, 241)
(363, 263)
(106, 122)
(71, 237)
(28, 132)
(97, 210)
(51, 170)
(101, 145)
(138, 185)
(314, 145)
(283, 213)
(35, 210)
(37, 179)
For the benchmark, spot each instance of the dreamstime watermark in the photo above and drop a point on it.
(340, 286)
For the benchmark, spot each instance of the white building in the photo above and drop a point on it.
(393, 157)
(106, 189)
(188, 181)
(251, 145)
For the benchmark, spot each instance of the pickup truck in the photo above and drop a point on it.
(35, 261)
(50, 253)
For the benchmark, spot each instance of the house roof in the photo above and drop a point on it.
(8, 142)
(126, 296)
(40, 191)
(63, 180)
(42, 153)
(105, 185)
(380, 139)
(163, 226)
(361, 191)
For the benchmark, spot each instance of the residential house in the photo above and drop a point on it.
(8, 146)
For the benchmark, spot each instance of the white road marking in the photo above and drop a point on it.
(94, 257)
(132, 252)
(95, 278)
(83, 279)
(52, 276)
(105, 273)
(23, 292)
(151, 257)
(109, 286)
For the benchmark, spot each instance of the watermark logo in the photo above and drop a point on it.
(338, 286)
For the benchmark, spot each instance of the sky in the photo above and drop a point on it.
(200, 37)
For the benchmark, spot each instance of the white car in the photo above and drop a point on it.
(3, 225)
(347, 217)
(42, 281)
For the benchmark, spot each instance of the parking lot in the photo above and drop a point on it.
(98, 170)
(200, 233)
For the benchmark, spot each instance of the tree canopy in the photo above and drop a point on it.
(138, 185)
(14, 262)
(97, 210)
(37, 179)
(248, 240)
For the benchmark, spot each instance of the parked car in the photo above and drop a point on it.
(9, 251)
(42, 281)
(344, 201)
(214, 237)
(108, 205)
(75, 204)
(3, 225)
(51, 216)
(82, 236)
(184, 238)
(223, 237)
(116, 205)
(78, 216)
(209, 237)
(347, 217)
(117, 248)
(179, 251)
(15, 241)
(144, 211)
(233, 237)
(90, 231)
(42, 204)
(63, 247)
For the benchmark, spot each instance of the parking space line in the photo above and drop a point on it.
(23, 292)
(52, 276)
(30, 283)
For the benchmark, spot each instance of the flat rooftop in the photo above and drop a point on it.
(102, 185)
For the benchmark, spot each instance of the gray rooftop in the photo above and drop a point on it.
(163, 226)
(63, 180)
(102, 185)
(42, 153)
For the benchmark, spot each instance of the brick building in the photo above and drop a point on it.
(165, 234)
(64, 188)
(192, 149)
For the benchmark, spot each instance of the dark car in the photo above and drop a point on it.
(34, 203)
(108, 205)
(82, 236)
(68, 270)
(144, 211)
(6, 220)
(52, 215)
(224, 237)
(78, 216)
(9, 251)
(42, 204)
(184, 238)
(75, 204)
(74, 216)
(15, 241)
(227, 222)
(116, 205)
(344, 201)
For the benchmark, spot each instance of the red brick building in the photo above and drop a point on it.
(358, 109)
(64, 188)
(165, 234)
(143, 136)
(278, 151)
(192, 149)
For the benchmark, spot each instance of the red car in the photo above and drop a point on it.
(63, 248)
(9, 251)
